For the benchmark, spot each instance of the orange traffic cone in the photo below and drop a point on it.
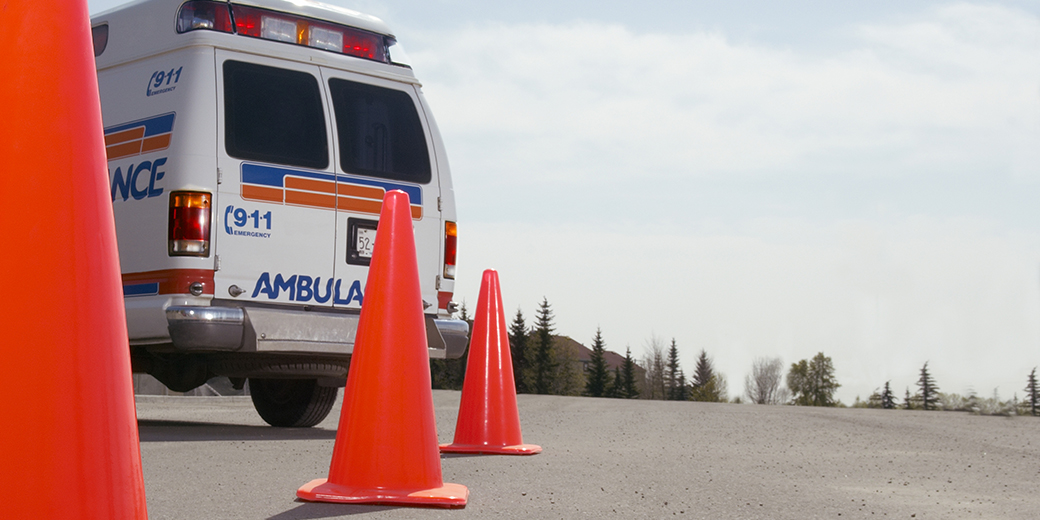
(488, 418)
(69, 442)
(386, 444)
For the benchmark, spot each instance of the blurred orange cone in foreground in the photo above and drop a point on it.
(69, 446)
(386, 444)
(488, 418)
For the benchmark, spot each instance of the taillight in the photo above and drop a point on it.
(450, 244)
(189, 223)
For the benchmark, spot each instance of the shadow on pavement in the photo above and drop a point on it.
(182, 431)
(311, 510)
(466, 455)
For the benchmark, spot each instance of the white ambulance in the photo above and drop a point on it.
(249, 147)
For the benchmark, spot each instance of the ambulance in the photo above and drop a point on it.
(249, 146)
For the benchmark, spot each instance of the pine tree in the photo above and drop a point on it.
(1032, 393)
(544, 358)
(628, 383)
(888, 399)
(614, 388)
(672, 370)
(518, 336)
(929, 391)
(703, 371)
(682, 391)
(596, 385)
(908, 401)
(705, 383)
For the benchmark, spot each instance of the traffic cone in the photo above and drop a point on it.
(488, 418)
(69, 442)
(386, 444)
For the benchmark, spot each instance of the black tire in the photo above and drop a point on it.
(292, 403)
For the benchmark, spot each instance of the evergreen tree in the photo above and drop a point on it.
(1032, 393)
(703, 372)
(929, 391)
(888, 399)
(682, 391)
(628, 383)
(544, 359)
(706, 385)
(518, 336)
(908, 401)
(598, 376)
(614, 389)
(812, 382)
(672, 370)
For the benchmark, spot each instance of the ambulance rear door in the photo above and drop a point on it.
(383, 144)
(275, 214)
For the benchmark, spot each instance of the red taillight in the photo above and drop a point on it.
(450, 244)
(189, 223)
(200, 14)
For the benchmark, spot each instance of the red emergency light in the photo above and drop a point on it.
(281, 27)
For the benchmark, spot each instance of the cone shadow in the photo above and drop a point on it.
(315, 510)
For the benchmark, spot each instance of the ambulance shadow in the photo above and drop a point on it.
(188, 431)
(312, 511)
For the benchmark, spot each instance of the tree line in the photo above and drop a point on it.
(546, 363)
(928, 397)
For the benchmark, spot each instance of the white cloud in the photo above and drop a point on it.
(584, 101)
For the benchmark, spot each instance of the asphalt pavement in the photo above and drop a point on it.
(214, 458)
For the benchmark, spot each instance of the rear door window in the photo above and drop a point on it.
(380, 134)
(274, 115)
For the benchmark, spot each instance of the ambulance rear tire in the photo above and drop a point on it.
(291, 403)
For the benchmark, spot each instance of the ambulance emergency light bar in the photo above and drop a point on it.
(281, 27)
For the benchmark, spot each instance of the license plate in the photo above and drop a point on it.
(366, 241)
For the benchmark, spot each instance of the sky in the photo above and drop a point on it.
(755, 179)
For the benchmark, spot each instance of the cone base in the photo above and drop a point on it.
(519, 449)
(321, 490)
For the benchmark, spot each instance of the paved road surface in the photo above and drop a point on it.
(213, 458)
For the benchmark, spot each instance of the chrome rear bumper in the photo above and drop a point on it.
(254, 329)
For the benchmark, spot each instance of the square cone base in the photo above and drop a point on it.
(519, 449)
(321, 490)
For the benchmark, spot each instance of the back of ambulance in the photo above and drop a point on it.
(250, 145)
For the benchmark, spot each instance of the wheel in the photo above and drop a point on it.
(293, 403)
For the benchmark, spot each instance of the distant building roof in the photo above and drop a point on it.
(584, 354)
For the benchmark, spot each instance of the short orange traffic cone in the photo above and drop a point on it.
(488, 418)
(69, 446)
(386, 444)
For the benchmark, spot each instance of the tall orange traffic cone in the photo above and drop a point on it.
(386, 444)
(489, 421)
(69, 446)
